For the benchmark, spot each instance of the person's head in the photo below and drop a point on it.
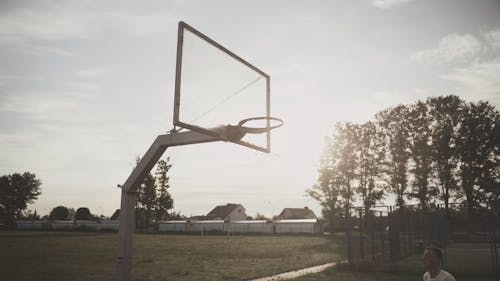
(433, 257)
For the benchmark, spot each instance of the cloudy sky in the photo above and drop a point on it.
(86, 86)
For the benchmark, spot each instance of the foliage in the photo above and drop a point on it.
(393, 124)
(432, 151)
(59, 213)
(83, 213)
(260, 216)
(16, 192)
(164, 201)
(153, 198)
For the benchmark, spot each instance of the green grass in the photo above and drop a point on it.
(90, 256)
(68, 256)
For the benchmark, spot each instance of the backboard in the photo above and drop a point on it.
(215, 87)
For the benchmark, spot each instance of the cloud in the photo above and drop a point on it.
(50, 24)
(42, 25)
(39, 29)
(387, 4)
(35, 104)
(96, 71)
(451, 48)
(140, 24)
(479, 80)
(493, 39)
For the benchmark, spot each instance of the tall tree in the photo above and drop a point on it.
(147, 197)
(16, 192)
(164, 201)
(420, 140)
(370, 155)
(334, 189)
(326, 192)
(344, 157)
(478, 151)
(146, 200)
(394, 124)
(445, 116)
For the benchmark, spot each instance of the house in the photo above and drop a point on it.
(228, 212)
(296, 214)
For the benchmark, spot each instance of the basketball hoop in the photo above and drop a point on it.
(259, 130)
(237, 132)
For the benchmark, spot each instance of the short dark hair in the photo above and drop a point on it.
(437, 251)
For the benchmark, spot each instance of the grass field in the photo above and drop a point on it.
(90, 256)
(30, 255)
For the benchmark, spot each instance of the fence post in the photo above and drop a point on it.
(361, 242)
(382, 234)
(372, 236)
(493, 242)
(348, 232)
(391, 240)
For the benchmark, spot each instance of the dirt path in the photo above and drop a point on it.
(296, 273)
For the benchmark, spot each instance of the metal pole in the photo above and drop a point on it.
(382, 234)
(494, 249)
(128, 197)
(361, 242)
(349, 246)
(372, 237)
(391, 240)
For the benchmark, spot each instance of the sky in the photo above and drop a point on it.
(86, 86)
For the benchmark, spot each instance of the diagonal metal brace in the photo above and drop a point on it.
(129, 189)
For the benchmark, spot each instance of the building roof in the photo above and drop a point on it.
(223, 211)
(296, 213)
(298, 221)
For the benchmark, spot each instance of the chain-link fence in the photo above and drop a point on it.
(397, 236)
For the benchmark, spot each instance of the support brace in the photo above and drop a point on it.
(129, 188)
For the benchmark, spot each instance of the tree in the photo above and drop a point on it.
(478, 152)
(16, 192)
(83, 213)
(394, 125)
(164, 201)
(327, 195)
(260, 216)
(344, 158)
(420, 140)
(370, 155)
(445, 112)
(59, 213)
(334, 189)
(146, 200)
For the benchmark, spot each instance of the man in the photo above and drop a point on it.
(432, 264)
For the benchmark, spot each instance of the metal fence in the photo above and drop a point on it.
(398, 235)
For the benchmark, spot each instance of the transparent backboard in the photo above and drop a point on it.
(215, 87)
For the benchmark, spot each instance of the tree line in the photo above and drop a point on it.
(442, 150)
(17, 191)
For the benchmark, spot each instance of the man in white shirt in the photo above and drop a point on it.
(432, 263)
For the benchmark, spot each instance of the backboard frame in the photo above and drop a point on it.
(178, 81)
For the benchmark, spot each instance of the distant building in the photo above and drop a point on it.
(296, 214)
(116, 215)
(228, 212)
